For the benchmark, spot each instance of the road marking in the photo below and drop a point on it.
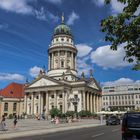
(97, 135)
(114, 130)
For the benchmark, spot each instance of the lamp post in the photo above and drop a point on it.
(75, 101)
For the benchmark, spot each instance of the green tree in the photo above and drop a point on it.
(125, 28)
(84, 113)
(55, 112)
(70, 113)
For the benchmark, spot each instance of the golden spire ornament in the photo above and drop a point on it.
(62, 18)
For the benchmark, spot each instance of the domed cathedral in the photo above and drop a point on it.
(61, 87)
(62, 54)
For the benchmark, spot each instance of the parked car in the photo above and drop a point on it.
(131, 126)
(112, 120)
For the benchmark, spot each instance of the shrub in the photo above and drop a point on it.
(70, 113)
(55, 112)
(84, 113)
(10, 116)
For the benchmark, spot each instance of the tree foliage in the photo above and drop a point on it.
(55, 112)
(84, 113)
(124, 28)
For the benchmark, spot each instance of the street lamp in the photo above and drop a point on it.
(75, 101)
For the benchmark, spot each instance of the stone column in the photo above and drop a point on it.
(94, 103)
(66, 101)
(84, 100)
(100, 103)
(52, 60)
(25, 103)
(55, 99)
(91, 103)
(58, 59)
(97, 103)
(63, 104)
(65, 65)
(39, 103)
(47, 102)
(42, 107)
(72, 65)
(32, 104)
(75, 62)
(87, 101)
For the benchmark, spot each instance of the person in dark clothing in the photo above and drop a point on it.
(15, 121)
(3, 124)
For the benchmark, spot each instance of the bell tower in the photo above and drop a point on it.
(62, 52)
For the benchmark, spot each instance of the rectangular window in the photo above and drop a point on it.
(62, 64)
(111, 90)
(6, 107)
(14, 106)
(61, 108)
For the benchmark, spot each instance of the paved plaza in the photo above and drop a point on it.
(27, 127)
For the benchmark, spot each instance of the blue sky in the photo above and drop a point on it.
(26, 28)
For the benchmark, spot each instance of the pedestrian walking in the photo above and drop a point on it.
(15, 121)
(3, 124)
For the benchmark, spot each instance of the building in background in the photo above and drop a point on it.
(12, 99)
(61, 87)
(121, 97)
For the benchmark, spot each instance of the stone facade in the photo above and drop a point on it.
(61, 87)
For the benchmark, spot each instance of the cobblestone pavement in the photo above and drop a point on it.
(33, 126)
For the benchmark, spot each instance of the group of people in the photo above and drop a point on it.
(3, 122)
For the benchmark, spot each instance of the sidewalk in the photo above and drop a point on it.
(30, 127)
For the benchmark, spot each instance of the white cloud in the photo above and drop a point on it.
(23, 7)
(34, 71)
(11, 77)
(72, 17)
(137, 11)
(52, 17)
(44, 15)
(17, 6)
(3, 26)
(120, 81)
(83, 49)
(83, 65)
(107, 58)
(116, 6)
(40, 14)
(98, 2)
(55, 1)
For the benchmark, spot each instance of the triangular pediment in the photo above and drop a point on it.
(94, 84)
(43, 82)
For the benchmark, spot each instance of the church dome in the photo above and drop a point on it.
(62, 29)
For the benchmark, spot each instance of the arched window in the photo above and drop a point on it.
(62, 63)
